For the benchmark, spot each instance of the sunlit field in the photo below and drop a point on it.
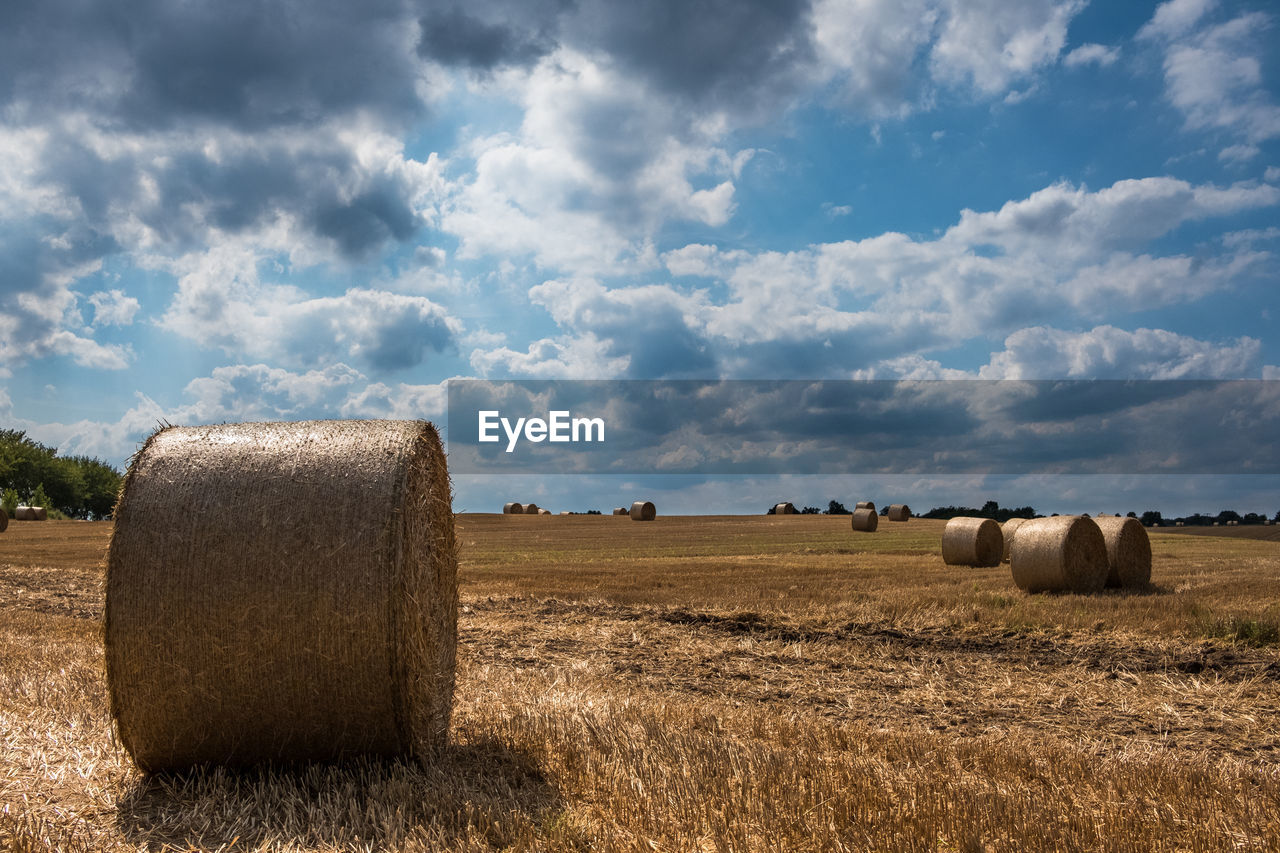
(716, 684)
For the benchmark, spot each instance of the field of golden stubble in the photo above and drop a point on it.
(716, 683)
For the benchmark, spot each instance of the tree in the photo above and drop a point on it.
(1151, 517)
(39, 498)
(9, 501)
(810, 510)
(837, 508)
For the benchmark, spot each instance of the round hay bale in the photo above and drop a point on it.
(530, 509)
(972, 542)
(786, 508)
(621, 510)
(865, 505)
(1064, 553)
(643, 511)
(1007, 530)
(1128, 551)
(513, 508)
(565, 512)
(4, 520)
(282, 592)
(23, 513)
(544, 512)
(899, 512)
(1180, 524)
(39, 513)
(865, 520)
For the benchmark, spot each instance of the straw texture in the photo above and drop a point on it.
(972, 542)
(530, 509)
(643, 511)
(786, 508)
(899, 512)
(282, 592)
(1128, 551)
(1064, 553)
(865, 505)
(1007, 530)
(865, 520)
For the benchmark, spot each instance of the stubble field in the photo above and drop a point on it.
(718, 684)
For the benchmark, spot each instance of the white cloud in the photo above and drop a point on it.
(1106, 352)
(1091, 54)
(993, 43)
(1239, 153)
(1175, 18)
(113, 308)
(220, 302)
(1272, 175)
(1213, 74)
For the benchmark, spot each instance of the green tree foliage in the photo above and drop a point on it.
(9, 501)
(837, 508)
(76, 486)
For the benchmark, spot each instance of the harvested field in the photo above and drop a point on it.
(717, 683)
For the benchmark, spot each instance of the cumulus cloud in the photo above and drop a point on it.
(113, 308)
(874, 306)
(1091, 54)
(1106, 352)
(220, 302)
(1213, 72)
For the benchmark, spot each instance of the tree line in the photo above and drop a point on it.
(35, 475)
(992, 509)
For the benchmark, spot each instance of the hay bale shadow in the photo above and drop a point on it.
(475, 792)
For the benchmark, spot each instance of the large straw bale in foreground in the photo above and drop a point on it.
(643, 511)
(282, 592)
(898, 512)
(865, 520)
(1128, 551)
(1007, 530)
(972, 542)
(1064, 553)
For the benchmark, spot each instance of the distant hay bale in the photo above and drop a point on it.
(1064, 553)
(530, 509)
(513, 508)
(899, 512)
(1128, 552)
(621, 510)
(1180, 524)
(786, 508)
(1216, 524)
(865, 505)
(544, 512)
(30, 513)
(865, 520)
(22, 513)
(643, 511)
(1007, 530)
(565, 512)
(972, 542)
(4, 520)
(282, 592)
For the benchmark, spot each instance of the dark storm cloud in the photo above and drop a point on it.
(933, 427)
(145, 64)
(722, 53)
(454, 37)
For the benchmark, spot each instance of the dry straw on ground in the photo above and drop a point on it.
(1007, 530)
(530, 509)
(513, 508)
(786, 508)
(865, 505)
(1128, 551)
(1064, 553)
(643, 511)
(865, 520)
(899, 512)
(282, 591)
(972, 542)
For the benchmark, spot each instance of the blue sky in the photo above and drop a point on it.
(285, 210)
